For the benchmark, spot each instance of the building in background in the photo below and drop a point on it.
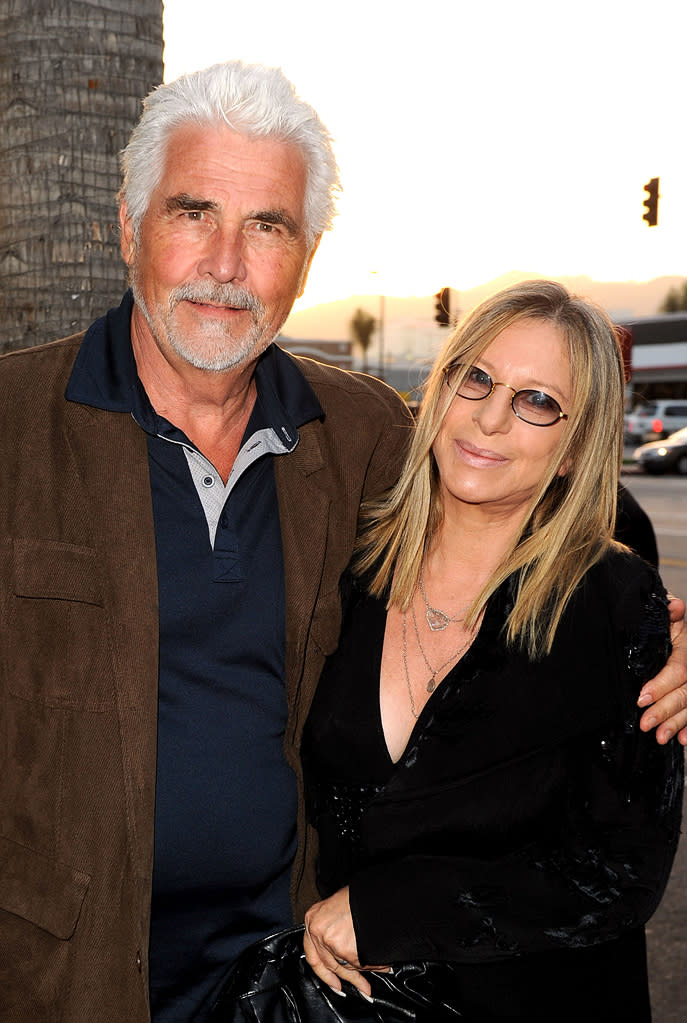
(405, 376)
(658, 357)
(72, 77)
(333, 353)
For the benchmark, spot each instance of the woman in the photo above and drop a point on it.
(526, 849)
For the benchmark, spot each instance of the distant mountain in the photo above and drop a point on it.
(414, 316)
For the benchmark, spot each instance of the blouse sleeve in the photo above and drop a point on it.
(600, 869)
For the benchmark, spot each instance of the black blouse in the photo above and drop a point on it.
(528, 830)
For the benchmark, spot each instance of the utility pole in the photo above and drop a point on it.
(72, 77)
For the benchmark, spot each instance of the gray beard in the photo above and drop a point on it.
(218, 349)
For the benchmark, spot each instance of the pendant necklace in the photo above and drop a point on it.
(432, 681)
(437, 619)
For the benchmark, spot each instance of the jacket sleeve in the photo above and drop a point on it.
(598, 867)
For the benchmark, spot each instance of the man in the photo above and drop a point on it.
(180, 502)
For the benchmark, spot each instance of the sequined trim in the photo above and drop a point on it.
(344, 805)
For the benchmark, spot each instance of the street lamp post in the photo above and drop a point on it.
(382, 312)
(382, 318)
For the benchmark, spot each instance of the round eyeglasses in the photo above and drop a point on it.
(534, 407)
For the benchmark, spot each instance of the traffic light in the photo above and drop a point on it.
(651, 203)
(442, 307)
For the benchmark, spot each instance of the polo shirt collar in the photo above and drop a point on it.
(104, 376)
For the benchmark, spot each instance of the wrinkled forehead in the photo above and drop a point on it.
(220, 159)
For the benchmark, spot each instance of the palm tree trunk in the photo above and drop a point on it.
(72, 77)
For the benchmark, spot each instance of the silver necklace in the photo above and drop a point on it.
(437, 619)
(432, 681)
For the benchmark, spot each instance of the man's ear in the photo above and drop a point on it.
(127, 242)
(308, 264)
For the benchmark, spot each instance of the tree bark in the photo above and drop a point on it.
(72, 77)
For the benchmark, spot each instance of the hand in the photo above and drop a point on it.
(666, 694)
(330, 944)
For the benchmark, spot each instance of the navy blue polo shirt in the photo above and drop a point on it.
(225, 817)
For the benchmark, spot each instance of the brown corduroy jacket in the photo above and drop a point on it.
(79, 669)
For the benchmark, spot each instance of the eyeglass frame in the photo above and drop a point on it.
(448, 370)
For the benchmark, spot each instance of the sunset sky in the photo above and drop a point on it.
(476, 139)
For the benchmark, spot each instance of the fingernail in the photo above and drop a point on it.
(368, 998)
(338, 992)
(644, 700)
(651, 721)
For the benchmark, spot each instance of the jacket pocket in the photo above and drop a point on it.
(36, 889)
(56, 650)
(41, 902)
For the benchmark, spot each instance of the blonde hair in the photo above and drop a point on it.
(570, 520)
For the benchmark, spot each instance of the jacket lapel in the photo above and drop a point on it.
(304, 519)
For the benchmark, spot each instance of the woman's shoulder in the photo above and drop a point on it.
(619, 568)
(626, 591)
(614, 633)
(622, 571)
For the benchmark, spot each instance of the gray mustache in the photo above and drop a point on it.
(217, 294)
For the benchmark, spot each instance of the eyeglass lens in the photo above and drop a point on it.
(534, 407)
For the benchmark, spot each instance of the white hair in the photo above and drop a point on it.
(255, 101)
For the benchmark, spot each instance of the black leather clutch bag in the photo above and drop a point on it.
(272, 983)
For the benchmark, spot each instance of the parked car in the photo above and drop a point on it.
(655, 419)
(668, 455)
